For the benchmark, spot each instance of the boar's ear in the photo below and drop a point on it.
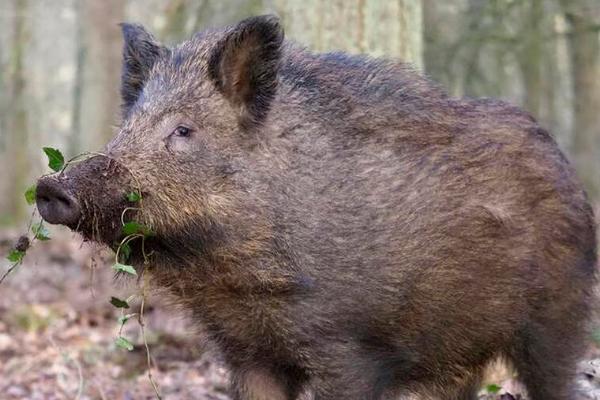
(140, 52)
(244, 67)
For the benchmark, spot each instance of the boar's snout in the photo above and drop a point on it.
(55, 204)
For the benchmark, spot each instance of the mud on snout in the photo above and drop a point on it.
(90, 198)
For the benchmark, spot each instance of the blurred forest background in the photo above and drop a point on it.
(60, 63)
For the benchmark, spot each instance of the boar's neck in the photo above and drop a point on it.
(241, 255)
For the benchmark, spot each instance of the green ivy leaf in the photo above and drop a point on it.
(115, 301)
(134, 197)
(124, 343)
(124, 268)
(30, 195)
(56, 160)
(129, 228)
(125, 251)
(132, 227)
(493, 388)
(40, 232)
(15, 256)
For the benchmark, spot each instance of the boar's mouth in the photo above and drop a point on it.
(90, 198)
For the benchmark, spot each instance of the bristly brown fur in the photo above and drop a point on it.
(339, 224)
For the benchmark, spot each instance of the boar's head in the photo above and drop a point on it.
(190, 117)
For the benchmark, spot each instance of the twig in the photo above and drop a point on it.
(125, 241)
(15, 265)
(92, 276)
(9, 270)
(80, 373)
(143, 331)
(129, 209)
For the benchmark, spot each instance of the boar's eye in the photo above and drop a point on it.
(182, 131)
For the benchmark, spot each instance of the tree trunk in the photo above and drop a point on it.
(531, 56)
(378, 28)
(12, 205)
(99, 65)
(585, 67)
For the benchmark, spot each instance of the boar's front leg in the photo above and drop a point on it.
(256, 383)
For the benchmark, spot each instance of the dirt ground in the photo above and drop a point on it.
(57, 333)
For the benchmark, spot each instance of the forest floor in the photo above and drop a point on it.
(57, 333)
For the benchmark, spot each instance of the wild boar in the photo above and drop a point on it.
(337, 224)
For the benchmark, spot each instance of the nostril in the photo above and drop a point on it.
(65, 201)
(55, 204)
